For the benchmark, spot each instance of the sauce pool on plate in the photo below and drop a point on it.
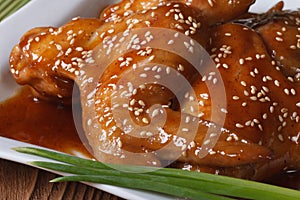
(27, 119)
(23, 117)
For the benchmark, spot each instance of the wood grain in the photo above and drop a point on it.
(21, 182)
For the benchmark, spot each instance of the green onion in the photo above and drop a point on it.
(181, 183)
(7, 7)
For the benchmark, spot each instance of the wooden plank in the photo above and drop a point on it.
(19, 181)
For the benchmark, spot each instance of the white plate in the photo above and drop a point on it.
(54, 13)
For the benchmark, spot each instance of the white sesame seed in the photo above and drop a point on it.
(243, 83)
(170, 42)
(286, 91)
(265, 116)
(253, 98)
(246, 93)
(235, 98)
(141, 102)
(143, 75)
(293, 91)
(280, 137)
(241, 61)
(157, 76)
(239, 125)
(271, 109)
(185, 129)
(225, 66)
(224, 110)
(229, 138)
(120, 144)
(280, 118)
(180, 68)
(149, 134)
(145, 120)
(211, 3)
(260, 127)
(279, 39)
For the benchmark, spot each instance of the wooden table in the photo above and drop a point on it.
(21, 182)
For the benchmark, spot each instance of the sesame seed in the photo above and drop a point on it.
(224, 110)
(225, 66)
(280, 137)
(243, 83)
(279, 39)
(149, 134)
(120, 144)
(241, 61)
(293, 91)
(143, 75)
(141, 102)
(239, 125)
(192, 144)
(271, 109)
(157, 76)
(252, 74)
(265, 116)
(229, 138)
(79, 49)
(211, 3)
(145, 120)
(246, 93)
(265, 89)
(286, 91)
(253, 98)
(180, 68)
(170, 42)
(280, 118)
(235, 98)
(284, 124)
(248, 58)
(185, 129)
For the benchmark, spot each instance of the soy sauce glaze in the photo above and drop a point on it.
(27, 119)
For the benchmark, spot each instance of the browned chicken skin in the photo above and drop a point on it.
(280, 32)
(215, 11)
(282, 38)
(46, 60)
(255, 124)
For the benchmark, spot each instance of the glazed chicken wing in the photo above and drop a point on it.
(261, 105)
(151, 94)
(49, 58)
(280, 32)
(215, 11)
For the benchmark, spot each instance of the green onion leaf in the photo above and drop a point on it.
(8, 7)
(181, 183)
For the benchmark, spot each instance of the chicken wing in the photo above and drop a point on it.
(215, 11)
(237, 115)
(48, 59)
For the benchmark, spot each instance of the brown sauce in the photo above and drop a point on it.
(49, 125)
(27, 119)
